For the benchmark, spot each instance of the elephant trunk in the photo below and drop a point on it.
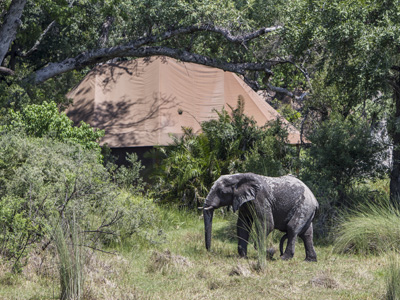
(208, 216)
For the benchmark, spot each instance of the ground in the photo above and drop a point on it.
(177, 266)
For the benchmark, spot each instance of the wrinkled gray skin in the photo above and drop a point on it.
(284, 203)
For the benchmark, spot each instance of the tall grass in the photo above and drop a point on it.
(71, 261)
(260, 238)
(373, 228)
(393, 280)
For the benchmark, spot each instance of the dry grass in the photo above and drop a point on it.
(187, 271)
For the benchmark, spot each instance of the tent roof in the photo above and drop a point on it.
(141, 102)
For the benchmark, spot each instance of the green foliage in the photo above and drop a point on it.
(44, 120)
(342, 152)
(129, 177)
(138, 219)
(82, 26)
(42, 179)
(232, 143)
(360, 38)
(372, 228)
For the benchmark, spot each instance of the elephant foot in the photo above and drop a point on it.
(311, 259)
(286, 256)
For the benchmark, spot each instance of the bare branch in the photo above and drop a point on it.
(116, 218)
(204, 28)
(97, 249)
(286, 92)
(99, 231)
(39, 40)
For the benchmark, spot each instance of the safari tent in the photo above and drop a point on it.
(140, 103)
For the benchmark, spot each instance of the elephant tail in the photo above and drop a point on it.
(284, 237)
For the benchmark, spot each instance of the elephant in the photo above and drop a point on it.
(284, 203)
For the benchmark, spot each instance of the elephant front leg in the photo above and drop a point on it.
(244, 224)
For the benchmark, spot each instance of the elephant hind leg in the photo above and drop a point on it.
(289, 252)
(307, 238)
(295, 227)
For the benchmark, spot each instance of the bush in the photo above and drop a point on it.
(42, 179)
(44, 120)
(342, 152)
(138, 219)
(128, 177)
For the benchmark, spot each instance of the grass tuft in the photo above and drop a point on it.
(166, 262)
(71, 259)
(240, 270)
(325, 280)
(373, 229)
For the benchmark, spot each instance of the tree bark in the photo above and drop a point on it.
(105, 54)
(8, 29)
(395, 133)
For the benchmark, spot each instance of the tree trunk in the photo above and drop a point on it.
(8, 30)
(395, 133)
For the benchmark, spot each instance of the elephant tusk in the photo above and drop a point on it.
(200, 207)
(208, 208)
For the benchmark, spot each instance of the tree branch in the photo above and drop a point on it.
(6, 71)
(139, 48)
(39, 40)
(204, 28)
(105, 54)
(8, 29)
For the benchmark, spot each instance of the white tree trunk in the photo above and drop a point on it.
(8, 30)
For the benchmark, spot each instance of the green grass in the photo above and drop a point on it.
(179, 267)
(373, 228)
(393, 279)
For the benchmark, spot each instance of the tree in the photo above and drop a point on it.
(350, 49)
(65, 36)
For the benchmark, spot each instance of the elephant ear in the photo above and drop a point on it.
(245, 190)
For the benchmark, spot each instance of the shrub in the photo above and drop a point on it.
(42, 179)
(342, 152)
(128, 177)
(138, 220)
(44, 120)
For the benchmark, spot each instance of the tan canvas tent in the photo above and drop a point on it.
(141, 102)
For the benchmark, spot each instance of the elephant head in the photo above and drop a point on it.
(234, 190)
